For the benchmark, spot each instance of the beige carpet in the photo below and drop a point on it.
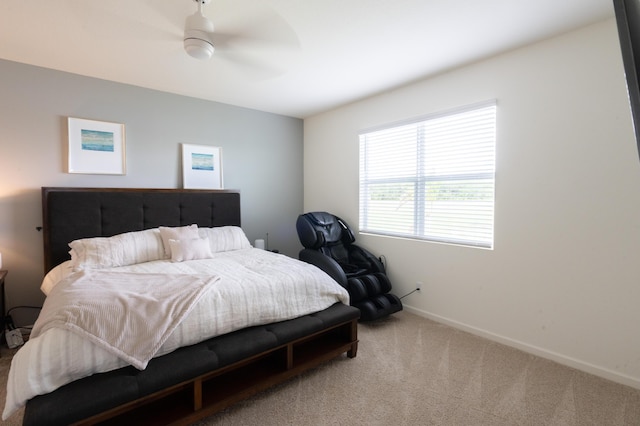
(412, 371)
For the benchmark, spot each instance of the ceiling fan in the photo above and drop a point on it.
(198, 34)
(250, 37)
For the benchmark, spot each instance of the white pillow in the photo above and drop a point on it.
(120, 250)
(54, 276)
(177, 233)
(225, 238)
(197, 248)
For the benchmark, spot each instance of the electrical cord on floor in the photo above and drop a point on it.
(383, 260)
(8, 320)
(23, 307)
(411, 292)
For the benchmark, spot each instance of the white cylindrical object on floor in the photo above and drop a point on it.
(259, 244)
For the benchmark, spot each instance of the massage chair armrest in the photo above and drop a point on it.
(365, 259)
(324, 262)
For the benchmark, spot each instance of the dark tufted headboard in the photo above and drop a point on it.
(72, 213)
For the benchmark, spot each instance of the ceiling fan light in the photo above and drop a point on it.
(198, 48)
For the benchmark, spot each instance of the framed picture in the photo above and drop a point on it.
(96, 147)
(201, 167)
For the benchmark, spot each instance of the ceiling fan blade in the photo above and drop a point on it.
(255, 22)
(255, 39)
(252, 67)
(130, 23)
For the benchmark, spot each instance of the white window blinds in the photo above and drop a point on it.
(431, 179)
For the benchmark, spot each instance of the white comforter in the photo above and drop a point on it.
(255, 287)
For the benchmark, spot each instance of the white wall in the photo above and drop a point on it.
(262, 157)
(564, 278)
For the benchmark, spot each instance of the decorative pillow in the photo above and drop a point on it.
(120, 250)
(177, 233)
(225, 238)
(197, 248)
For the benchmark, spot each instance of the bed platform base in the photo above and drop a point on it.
(249, 361)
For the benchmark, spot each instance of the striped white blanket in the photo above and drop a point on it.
(255, 287)
(128, 314)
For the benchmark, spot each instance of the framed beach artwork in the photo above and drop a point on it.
(201, 167)
(96, 147)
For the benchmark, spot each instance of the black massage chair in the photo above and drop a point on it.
(328, 244)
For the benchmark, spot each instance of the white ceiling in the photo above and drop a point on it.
(291, 57)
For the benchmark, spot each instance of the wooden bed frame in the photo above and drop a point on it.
(294, 346)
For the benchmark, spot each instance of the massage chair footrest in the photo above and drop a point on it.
(378, 306)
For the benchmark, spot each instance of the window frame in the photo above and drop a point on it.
(420, 181)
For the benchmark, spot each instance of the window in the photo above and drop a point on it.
(431, 178)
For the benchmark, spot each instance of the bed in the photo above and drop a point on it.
(163, 313)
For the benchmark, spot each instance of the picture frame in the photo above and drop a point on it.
(201, 167)
(96, 147)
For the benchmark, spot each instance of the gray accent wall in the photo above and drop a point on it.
(262, 157)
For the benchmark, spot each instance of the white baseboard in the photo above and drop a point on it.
(534, 350)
